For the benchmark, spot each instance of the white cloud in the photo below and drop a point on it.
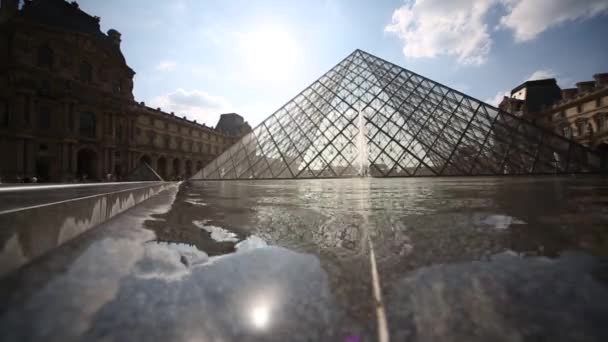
(496, 99)
(194, 104)
(459, 28)
(429, 28)
(166, 66)
(528, 18)
(540, 75)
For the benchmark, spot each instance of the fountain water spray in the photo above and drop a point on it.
(362, 147)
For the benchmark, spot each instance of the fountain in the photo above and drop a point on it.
(362, 148)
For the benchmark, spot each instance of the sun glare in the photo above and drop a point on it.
(270, 54)
(260, 315)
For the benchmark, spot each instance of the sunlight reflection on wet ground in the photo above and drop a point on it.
(471, 259)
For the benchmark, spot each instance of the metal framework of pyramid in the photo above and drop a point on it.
(367, 116)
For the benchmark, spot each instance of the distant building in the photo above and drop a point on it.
(532, 97)
(232, 124)
(67, 107)
(580, 113)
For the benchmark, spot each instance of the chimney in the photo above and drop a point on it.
(584, 87)
(601, 80)
(569, 93)
(114, 37)
(8, 9)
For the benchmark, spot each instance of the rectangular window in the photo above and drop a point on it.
(119, 132)
(87, 125)
(109, 124)
(4, 116)
(26, 109)
(86, 72)
(601, 122)
(71, 117)
(44, 118)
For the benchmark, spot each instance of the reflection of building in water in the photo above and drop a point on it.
(67, 107)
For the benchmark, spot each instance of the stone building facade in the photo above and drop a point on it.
(66, 103)
(579, 113)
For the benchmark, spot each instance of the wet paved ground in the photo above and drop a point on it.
(457, 259)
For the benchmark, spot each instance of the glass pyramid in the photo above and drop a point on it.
(367, 116)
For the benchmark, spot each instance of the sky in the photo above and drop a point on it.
(200, 58)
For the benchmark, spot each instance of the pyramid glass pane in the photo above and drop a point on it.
(367, 116)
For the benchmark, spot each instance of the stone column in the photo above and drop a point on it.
(103, 157)
(65, 157)
(30, 110)
(31, 158)
(74, 157)
(154, 162)
(100, 165)
(20, 156)
(112, 152)
(182, 167)
(133, 161)
(162, 169)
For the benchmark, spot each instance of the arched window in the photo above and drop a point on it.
(88, 125)
(86, 72)
(45, 57)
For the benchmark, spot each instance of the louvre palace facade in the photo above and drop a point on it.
(67, 110)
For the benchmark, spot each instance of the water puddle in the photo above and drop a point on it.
(196, 201)
(218, 234)
(498, 222)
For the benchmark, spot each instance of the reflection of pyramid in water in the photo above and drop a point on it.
(410, 126)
